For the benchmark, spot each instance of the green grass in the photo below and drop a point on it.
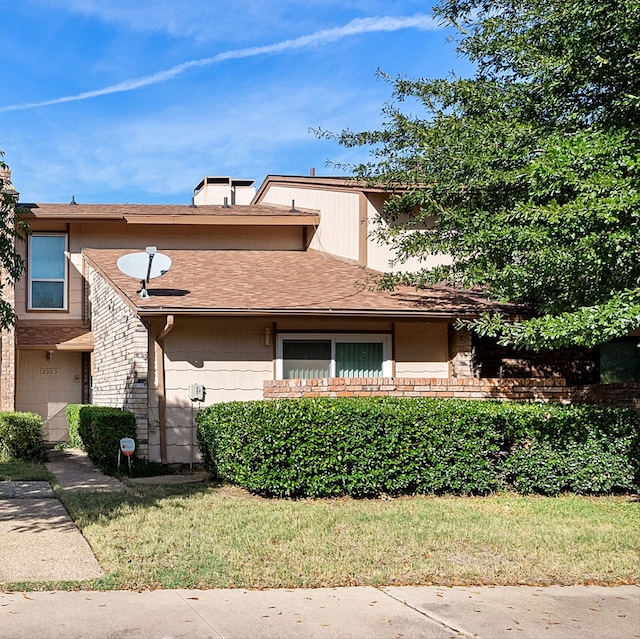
(219, 536)
(211, 536)
(23, 471)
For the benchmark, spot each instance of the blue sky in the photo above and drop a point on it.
(137, 100)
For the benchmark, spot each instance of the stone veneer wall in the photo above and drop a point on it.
(120, 356)
(546, 390)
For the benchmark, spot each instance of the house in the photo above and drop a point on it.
(270, 292)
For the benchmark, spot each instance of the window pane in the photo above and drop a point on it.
(362, 359)
(306, 359)
(47, 295)
(620, 362)
(47, 257)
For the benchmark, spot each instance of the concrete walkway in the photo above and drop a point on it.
(574, 612)
(74, 471)
(38, 539)
(40, 542)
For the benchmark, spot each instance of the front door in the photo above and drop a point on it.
(46, 382)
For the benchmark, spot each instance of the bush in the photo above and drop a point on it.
(72, 412)
(370, 446)
(21, 437)
(99, 431)
(579, 449)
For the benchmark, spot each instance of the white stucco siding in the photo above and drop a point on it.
(339, 230)
(422, 349)
(226, 356)
(380, 255)
(175, 236)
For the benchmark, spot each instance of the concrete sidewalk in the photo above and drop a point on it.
(40, 542)
(573, 612)
(38, 539)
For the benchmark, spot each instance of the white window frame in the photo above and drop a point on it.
(65, 280)
(364, 338)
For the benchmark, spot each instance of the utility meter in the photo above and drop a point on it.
(196, 392)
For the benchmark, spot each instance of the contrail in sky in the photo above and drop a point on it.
(355, 27)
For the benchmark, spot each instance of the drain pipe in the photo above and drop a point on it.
(162, 397)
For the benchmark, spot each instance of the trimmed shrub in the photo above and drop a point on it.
(366, 447)
(72, 412)
(21, 437)
(579, 449)
(100, 430)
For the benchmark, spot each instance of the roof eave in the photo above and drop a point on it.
(225, 220)
(145, 312)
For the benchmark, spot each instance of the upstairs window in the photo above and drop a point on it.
(316, 356)
(47, 271)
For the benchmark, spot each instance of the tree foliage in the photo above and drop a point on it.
(531, 168)
(11, 263)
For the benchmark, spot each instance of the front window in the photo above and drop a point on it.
(317, 356)
(47, 271)
(620, 361)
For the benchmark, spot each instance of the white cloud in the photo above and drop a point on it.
(161, 157)
(319, 38)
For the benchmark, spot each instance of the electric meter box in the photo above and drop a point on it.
(196, 392)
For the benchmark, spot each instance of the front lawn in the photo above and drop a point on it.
(219, 536)
(18, 470)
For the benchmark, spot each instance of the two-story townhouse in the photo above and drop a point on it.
(266, 286)
(252, 295)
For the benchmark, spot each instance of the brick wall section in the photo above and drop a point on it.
(8, 354)
(8, 370)
(549, 390)
(7, 336)
(120, 356)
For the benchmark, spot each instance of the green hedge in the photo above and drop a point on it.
(98, 430)
(72, 412)
(21, 437)
(371, 446)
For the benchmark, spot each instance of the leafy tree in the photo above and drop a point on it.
(11, 229)
(531, 168)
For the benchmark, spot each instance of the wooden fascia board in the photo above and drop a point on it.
(315, 184)
(230, 220)
(60, 217)
(145, 312)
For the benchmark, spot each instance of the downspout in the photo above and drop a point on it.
(162, 398)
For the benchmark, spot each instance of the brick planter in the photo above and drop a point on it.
(521, 389)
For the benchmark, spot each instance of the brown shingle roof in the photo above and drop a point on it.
(59, 337)
(273, 282)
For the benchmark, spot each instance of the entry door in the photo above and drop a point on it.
(46, 382)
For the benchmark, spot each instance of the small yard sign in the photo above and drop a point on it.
(127, 448)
